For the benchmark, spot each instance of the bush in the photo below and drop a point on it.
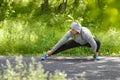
(6, 9)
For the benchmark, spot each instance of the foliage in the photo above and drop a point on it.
(25, 29)
(6, 9)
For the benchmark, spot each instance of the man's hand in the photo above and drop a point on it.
(95, 53)
(95, 56)
(49, 53)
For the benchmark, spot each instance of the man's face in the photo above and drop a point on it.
(73, 31)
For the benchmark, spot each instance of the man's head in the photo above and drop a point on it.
(75, 27)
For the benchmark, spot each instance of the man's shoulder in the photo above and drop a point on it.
(86, 32)
(85, 28)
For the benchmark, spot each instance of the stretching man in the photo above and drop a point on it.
(81, 36)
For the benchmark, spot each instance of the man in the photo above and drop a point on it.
(81, 36)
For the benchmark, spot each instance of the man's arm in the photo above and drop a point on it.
(61, 41)
(93, 44)
(91, 41)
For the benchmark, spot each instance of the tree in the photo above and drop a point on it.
(6, 9)
(45, 5)
(76, 3)
(62, 6)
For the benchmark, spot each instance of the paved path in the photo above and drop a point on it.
(107, 68)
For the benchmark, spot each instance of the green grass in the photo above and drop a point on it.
(25, 30)
(33, 37)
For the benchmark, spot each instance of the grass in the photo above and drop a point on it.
(33, 37)
(27, 31)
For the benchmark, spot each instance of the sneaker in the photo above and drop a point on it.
(96, 57)
(44, 56)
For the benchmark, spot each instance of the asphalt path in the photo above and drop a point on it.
(107, 68)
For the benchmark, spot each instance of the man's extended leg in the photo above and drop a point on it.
(67, 45)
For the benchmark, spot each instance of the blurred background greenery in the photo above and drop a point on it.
(31, 27)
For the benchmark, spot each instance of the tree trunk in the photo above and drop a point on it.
(45, 5)
(62, 7)
(76, 3)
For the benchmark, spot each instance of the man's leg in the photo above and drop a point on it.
(67, 45)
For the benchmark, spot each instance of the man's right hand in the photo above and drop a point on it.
(49, 53)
